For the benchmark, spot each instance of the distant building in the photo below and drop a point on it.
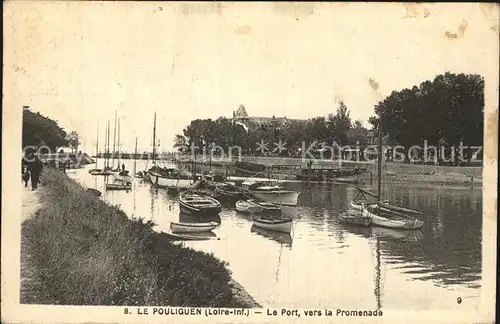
(241, 116)
(372, 137)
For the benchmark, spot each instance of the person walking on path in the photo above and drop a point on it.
(35, 168)
(25, 172)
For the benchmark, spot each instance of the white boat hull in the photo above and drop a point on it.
(358, 205)
(285, 227)
(170, 183)
(245, 207)
(288, 198)
(397, 222)
(192, 227)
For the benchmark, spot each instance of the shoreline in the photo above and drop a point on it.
(392, 172)
(78, 250)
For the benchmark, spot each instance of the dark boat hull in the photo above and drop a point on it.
(207, 211)
(284, 226)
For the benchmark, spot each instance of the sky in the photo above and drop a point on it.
(79, 62)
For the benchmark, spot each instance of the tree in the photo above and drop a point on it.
(339, 124)
(448, 109)
(357, 134)
(317, 130)
(180, 143)
(39, 130)
(73, 141)
(294, 132)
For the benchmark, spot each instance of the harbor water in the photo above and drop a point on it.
(328, 264)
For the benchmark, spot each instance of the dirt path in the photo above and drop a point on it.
(31, 203)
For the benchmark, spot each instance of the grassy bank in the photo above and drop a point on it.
(86, 252)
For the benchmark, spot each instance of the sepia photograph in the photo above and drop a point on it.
(249, 162)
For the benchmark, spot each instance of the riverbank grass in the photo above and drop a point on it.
(85, 252)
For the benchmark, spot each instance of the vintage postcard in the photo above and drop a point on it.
(226, 162)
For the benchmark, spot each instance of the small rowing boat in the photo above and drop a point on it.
(257, 207)
(118, 184)
(228, 191)
(192, 227)
(283, 225)
(196, 204)
(123, 176)
(272, 193)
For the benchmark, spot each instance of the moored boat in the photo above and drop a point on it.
(357, 204)
(382, 212)
(386, 218)
(272, 193)
(247, 207)
(192, 227)
(283, 225)
(118, 184)
(196, 204)
(252, 206)
(123, 176)
(228, 191)
(170, 178)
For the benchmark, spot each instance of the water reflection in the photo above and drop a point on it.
(368, 266)
(281, 238)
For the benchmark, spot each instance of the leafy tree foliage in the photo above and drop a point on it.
(180, 143)
(339, 124)
(225, 133)
(449, 110)
(39, 130)
(73, 141)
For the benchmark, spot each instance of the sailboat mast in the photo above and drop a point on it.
(118, 143)
(97, 146)
(154, 140)
(378, 276)
(114, 142)
(135, 157)
(107, 148)
(379, 161)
